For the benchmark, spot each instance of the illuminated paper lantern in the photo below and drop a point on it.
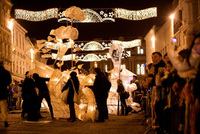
(74, 13)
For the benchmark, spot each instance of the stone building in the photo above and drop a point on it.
(5, 33)
(22, 52)
(186, 15)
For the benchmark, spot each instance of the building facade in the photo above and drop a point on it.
(22, 52)
(186, 15)
(135, 62)
(5, 33)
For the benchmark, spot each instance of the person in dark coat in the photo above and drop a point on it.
(101, 93)
(30, 99)
(73, 79)
(40, 83)
(5, 80)
(108, 86)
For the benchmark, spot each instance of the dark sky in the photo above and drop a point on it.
(88, 31)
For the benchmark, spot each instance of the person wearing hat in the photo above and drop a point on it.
(5, 80)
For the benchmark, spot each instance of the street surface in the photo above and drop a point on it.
(130, 124)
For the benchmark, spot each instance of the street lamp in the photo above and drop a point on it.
(172, 25)
(32, 52)
(10, 26)
(153, 41)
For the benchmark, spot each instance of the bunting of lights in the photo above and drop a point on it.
(91, 15)
(36, 15)
(65, 57)
(96, 46)
(136, 15)
(128, 44)
(86, 57)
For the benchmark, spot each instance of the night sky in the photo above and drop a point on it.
(88, 31)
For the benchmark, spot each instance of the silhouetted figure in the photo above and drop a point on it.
(40, 83)
(30, 99)
(101, 94)
(73, 80)
(107, 86)
(121, 90)
(5, 80)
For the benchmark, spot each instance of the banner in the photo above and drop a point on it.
(115, 54)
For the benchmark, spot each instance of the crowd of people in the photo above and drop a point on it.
(169, 91)
(170, 87)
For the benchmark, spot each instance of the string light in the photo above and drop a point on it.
(136, 15)
(90, 15)
(128, 44)
(94, 45)
(36, 15)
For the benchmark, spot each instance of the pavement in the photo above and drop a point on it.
(130, 124)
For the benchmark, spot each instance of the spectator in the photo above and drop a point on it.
(195, 103)
(136, 93)
(166, 58)
(5, 80)
(121, 90)
(30, 99)
(19, 96)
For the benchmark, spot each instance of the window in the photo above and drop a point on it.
(138, 50)
(138, 69)
(142, 69)
(106, 68)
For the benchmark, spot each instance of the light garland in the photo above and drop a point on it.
(128, 44)
(93, 57)
(92, 45)
(95, 46)
(136, 15)
(65, 57)
(91, 16)
(85, 58)
(36, 15)
(55, 45)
